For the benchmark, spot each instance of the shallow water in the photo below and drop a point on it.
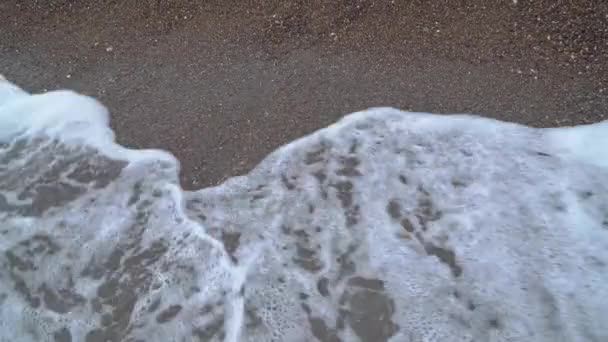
(385, 226)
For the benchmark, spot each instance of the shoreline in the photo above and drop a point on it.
(222, 85)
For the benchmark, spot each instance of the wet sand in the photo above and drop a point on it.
(223, 83)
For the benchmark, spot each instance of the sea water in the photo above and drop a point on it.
(386, 226)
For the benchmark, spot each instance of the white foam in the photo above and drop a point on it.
(66, 115)
(384, 226)
(588, 143)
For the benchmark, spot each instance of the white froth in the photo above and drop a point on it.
(587, 143)
(384, 226)
(66, 115)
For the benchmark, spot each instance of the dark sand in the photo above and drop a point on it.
(221, 83)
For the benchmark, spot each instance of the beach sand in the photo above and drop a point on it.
(222, 83)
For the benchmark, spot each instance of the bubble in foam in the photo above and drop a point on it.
(385, 226)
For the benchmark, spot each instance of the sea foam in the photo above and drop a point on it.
(386, 226)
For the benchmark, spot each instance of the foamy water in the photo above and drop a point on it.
(386, 226)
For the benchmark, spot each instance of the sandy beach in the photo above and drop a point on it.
(222, 83)
(385, 226)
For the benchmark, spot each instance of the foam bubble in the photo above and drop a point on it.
(384, 226)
